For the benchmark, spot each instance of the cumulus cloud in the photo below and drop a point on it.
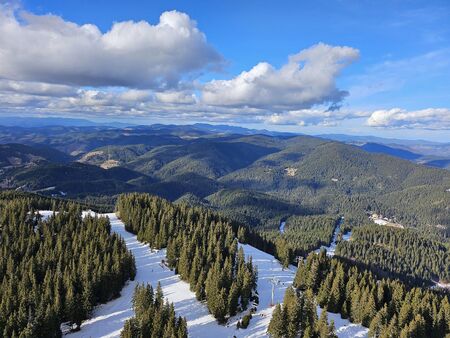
(176, 97)
(307, 79)
(308, 117)
(36, 88)
(46, 48)
(50, 65)
(431, 118)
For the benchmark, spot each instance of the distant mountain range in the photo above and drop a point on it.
(32, 122)
(375, 139)
(253, 177)
(429, 153)
(383, 149)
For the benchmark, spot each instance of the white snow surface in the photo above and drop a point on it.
(46, 214)
(380, 221)
(282, 225)
(345, 329)
(108, 319)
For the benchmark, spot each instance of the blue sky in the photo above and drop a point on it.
(395, 78)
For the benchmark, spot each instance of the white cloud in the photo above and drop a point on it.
(308, 79)
(309, 117)
(49, 65)
(176, 97)
(136, 95)
(46, 48)
(431, 118)
(263, 94)
(36, 88)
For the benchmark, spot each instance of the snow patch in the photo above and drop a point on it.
(45, 189)
(282, 225)
(90, 213)
(441, 285)
(380, 221)
(46, 214)
(345, 329)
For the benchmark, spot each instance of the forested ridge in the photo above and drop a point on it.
(404, 252)
(55, 271)
(153, 317)
(255, 179)
(201, 247)
(386, 306)
(257, 210)
(41, 202)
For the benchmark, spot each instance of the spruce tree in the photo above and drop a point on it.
(277, 326)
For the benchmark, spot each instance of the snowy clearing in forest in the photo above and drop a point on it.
(108, 319)
(345, 329)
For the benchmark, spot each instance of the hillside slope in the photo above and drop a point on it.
(15, 155)
(314, 174)
(77, 179)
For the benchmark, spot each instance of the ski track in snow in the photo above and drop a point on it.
(331, 249)
(282, 225)
(108, 319)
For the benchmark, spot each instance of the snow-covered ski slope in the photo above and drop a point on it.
(108, 319)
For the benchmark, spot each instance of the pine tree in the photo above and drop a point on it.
(323, 294)
(292, 309)
(322, 325)
(233, 299)
(74, 312)
(308, 312)
(182, 331)
(377, 325)
(277, 325)
(313, 276)
(369, 309)
(130, 329)
(159, 296)
(153, 317)
(332, 330)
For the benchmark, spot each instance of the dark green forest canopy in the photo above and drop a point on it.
(42, 202)
(386, 306)
(405, 253)
(55, 271)
(302, 234)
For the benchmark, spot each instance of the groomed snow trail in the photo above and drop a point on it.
(108, 319)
